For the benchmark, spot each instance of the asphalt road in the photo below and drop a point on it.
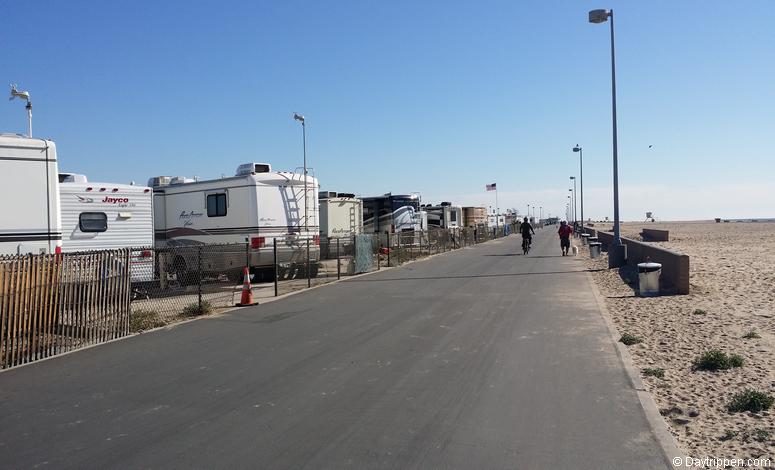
(479, 358)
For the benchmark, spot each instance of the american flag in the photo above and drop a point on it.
(490, 187)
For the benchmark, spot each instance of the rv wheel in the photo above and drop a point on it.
(313, 269)
(184, 276)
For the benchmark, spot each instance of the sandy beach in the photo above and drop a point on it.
(732, 294)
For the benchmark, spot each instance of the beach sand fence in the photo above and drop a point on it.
(54, 303)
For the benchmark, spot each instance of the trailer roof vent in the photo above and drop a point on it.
(250, 168)
(72, 178)
(326, 194)
(159, 181)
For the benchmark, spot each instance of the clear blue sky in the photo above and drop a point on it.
(439, 97)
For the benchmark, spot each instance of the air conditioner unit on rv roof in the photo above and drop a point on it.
(248, 168)
(159, 181)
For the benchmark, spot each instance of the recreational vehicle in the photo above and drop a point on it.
(444, 216)
(108, 216)
(391, 213)
(253, 208)
(341, 215)
(474, 216)
(29, 213)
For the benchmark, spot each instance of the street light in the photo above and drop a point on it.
(581, 182)
(24, 95)
(618, 254)
(575, 201)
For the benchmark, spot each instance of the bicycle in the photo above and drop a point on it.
(525, 246)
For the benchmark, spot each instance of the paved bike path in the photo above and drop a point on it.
(479, 358)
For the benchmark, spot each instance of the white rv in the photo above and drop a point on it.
(29, 213)
(341, 215)
(444, 216)
(108, 216)
(253, 208)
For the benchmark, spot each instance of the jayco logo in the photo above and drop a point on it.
(116, 200)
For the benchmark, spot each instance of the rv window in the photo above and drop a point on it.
(93, 222)
(453, 216)
(216, 205)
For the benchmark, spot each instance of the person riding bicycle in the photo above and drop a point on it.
(526, 230)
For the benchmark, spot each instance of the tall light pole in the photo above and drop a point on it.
(540, 213)
(575, 200)
(618, 254)
(572, 204)
(24, 95)
(528, 212)
(581, 182)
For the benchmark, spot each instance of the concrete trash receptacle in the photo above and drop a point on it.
(592, 240)
(594, 249)
(584, 238)
(648, 278)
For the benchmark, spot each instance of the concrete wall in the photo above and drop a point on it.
(653, 235)
(675, 266)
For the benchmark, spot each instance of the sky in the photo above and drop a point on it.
(435, 97)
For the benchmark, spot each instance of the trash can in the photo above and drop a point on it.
(584, 238)
(648, 279)
(594, 249)
(592, 239)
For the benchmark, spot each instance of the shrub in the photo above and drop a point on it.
(751, 335)
(629, 339)
(699, 311)
(750, 400)
(654, 372)
(194, 310)
(145, 320)
(716, 359)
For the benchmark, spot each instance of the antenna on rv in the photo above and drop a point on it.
(24, 95)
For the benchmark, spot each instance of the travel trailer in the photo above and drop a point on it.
(29, 213)
(108, 216)
(341, 214)
(255, 207)
(444, 216)
(474, 216)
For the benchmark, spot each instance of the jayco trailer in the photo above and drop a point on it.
(29, 214)
(341, 215)
(253, 208)
(108, 216)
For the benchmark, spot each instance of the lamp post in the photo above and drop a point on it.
(575, 200)
(24, 95)
(540, 213)
(581, 182)
(618, 254)
(572, 204)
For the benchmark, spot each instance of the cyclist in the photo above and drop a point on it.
(527, 234)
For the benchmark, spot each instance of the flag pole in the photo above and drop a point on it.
(496, 207)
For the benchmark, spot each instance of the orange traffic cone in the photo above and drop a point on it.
(247, 292)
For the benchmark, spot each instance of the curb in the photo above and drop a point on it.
(670, 449)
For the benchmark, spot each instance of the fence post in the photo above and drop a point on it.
(398, 247)
(338, 263)
(199, 275)
(276, 267)
(389, 249)
(309, 280)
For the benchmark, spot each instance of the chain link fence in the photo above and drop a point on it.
(174, 283)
